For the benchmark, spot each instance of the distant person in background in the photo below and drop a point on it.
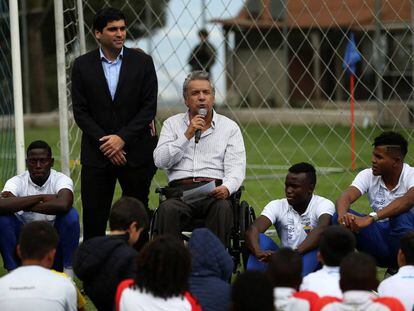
(358, 284)
(401, 285)
(389, 185)
(33, 286)
(40, 193)
(335, 244)
(252, 291)
(285, 272)
(211, 270)
(103, 262)
(299, 219)
(114, 95)
(163, 268)
(203, 56)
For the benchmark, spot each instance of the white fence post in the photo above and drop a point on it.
(17, 85)
(61, 78)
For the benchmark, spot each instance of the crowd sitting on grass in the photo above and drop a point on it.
(327, 258)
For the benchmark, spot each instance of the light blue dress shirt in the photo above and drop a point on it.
(111, 70)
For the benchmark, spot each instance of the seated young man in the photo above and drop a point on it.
(335, 244)
(299, 220)
(33, 286)
(358, 283)
(285, 272)
(103, 262)
(40, 193)
(389, 186)
(401, 285)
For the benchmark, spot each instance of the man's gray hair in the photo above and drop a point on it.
(197, 75)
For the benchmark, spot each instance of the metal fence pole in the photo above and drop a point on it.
(61, 77)
(17, 85)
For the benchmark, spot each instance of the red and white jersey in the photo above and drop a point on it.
(128, 298)
(288, 299)
(357, 300)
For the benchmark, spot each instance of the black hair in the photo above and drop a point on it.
(304, 167)
(252, 290)
(407, 247)
(39, 144)
(127, 210)
(393, 141)
(285, 268)
(203, 32)
(163, 267)
(358, 272)
(105, 16)
(335, 243)
(37, 239)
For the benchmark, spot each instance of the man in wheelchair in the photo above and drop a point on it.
(199, 148)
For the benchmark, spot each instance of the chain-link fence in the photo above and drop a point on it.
(278, 67)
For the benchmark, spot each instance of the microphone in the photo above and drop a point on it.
(202, 112)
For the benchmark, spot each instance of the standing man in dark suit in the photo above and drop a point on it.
(114, 94)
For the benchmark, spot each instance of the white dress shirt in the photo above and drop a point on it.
(324, 282)
(401, 286)
(219, 154)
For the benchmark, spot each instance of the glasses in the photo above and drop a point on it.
(42, 161)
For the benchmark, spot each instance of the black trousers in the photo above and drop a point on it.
(174, 215)
(97, 191)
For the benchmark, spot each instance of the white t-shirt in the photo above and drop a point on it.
(36, 288)
(291, 227)
(22, 185)
(401, 286)
(284, 300)
(324, 282)
(378, 194)
(135, 300)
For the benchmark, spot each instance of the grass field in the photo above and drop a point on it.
(270, 150)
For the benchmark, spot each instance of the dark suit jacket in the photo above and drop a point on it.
(128, 115)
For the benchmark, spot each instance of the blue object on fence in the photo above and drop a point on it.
(352, 56)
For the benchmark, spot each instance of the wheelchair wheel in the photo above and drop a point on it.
(246, 218)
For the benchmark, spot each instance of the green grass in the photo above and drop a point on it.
(269, 145)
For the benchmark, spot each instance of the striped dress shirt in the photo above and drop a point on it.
(219, 154)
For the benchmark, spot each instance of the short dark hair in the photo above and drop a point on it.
(105, 16)
(39, 144)
(252, 290)
(393, 141)
(197, 75)
(203, 32)
(285, 268)
(37, 239)
(163, 267)
(407, 247)
(304, 167)
(358, 272)
(127, 210)
(335, 243)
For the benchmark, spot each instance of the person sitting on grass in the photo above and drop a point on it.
(389, 185)
(161, 283)
(285, 272)
(103, 262)
(40, 193)
(299, 220)
(33, 286)
(252, 290)
(401, 285)
(336, 243)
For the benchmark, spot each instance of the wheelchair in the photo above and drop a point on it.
(243, 217)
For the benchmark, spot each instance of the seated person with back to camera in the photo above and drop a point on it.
(218, 156)
(299, 219)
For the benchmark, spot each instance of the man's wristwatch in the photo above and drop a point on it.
(374, 216)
